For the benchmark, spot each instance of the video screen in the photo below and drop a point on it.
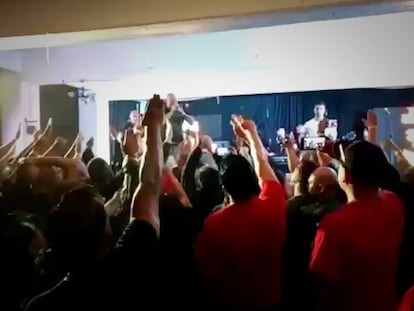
(313, 143)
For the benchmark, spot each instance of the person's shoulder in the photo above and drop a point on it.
(334, 220)
(272, 189)
(391, 197)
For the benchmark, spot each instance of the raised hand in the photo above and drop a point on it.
(155, 112)
(371, 120)
(323, 124)
(323, 158)
(243, 128)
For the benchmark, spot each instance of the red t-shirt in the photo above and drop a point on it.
(356, 252)
(239, 250)
(407, 303)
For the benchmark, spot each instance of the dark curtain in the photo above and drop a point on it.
(270, 112)
(287, 110)
(119, 112)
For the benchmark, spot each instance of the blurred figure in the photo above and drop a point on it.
(239, 247)
(302, 223)
(355, 258)
(175, 117)
(22, 249)
(311, 127)
(88, 154)
(80, 239)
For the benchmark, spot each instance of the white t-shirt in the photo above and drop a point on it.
(311, 127)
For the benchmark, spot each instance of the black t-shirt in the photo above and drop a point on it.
(129, 279)
(177, 119)
(303, 216)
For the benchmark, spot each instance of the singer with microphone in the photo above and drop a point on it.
(173, 133)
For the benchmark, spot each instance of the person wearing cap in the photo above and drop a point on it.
(356, 249)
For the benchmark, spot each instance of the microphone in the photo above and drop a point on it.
(387, 110)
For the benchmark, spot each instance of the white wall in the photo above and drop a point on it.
(18, 100)
(374, 51)
(102, 120)
(88, 123)
(11, 60)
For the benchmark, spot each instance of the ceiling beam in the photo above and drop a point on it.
(33, 17)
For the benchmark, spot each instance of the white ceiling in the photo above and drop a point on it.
(370, 51)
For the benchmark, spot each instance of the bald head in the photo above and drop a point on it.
(322, 180)
(206, 143)
(172, 101)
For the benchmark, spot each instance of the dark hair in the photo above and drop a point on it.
(208, 179)
(76, 227)
(239, 178)
(320, 103)
(368, 165)
(99, 171)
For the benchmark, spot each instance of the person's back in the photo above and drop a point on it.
(239, 248)
(368, 235)
(356, 250)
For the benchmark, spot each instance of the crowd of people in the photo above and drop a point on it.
(205, 232)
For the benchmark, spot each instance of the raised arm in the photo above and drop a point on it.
(145, 201)
(72, 168)
(72, 149)
(57, 142)
(292, 157)
(248, 129)
(371, 123)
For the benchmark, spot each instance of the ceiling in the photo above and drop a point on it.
(318, 49)
(205, 25)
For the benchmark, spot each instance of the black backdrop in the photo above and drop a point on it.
(272, 111)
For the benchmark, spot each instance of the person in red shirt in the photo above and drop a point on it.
(239, 247)
(407, 302)
(356, 249)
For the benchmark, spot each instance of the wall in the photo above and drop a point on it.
(369, 52)
(19, 100)
(88, 123)
(11, 60)
(102, 119)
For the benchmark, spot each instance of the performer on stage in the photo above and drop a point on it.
(175, 117)
(312, 126)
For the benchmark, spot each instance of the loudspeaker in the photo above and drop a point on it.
(58, 102)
